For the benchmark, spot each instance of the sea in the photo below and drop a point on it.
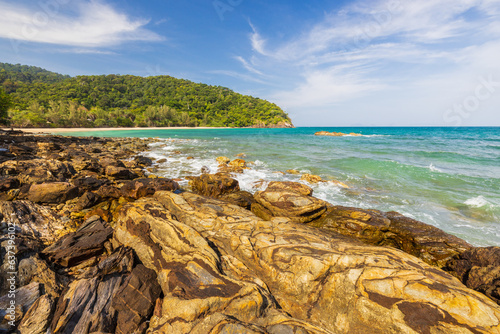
(445, 177)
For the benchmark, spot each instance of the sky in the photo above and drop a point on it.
(326, 63)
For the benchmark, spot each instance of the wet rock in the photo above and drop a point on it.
(311, 178)
(135, 300)
(120, 173)
(143, 161)
(205, 170)
(222, 160)
(288, 199)
(162, 160)
(214, 185)
(479, 269)
(86, 242)
(53, 192)
(426, 242)
(292, 171)
(145, 187)
(38, 317)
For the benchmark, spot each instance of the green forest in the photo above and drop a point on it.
(33, 97)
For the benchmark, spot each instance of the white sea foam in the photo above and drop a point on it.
(434, 169)
(477, 202)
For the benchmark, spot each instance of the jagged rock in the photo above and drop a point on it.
(479, 269)
(143, 161)
(107, 161)
(323, 280)
(7, 183)
(33, 220)
(120, 173)
(10, 312)
(37, 319)
(53, 192)
(144, 187)
(109, 191)
(214, 185)
(288, 199)
(37, 170)
(427, 242)
(33, 269)
(135, 300)
(86, 242)
(19, 149)
(87, 200)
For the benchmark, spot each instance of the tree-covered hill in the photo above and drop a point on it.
(40, 98)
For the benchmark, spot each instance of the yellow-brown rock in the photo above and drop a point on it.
(311, 178)
(292, 171)
(288, 199)
(222, 160)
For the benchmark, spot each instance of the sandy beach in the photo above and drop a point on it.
(68, 130)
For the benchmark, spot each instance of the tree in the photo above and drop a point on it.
(5, 104)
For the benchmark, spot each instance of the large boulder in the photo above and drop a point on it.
(216, 261)
(53, 192)
(120, 173)
(288, 199)
(374, 227)
(214, 185)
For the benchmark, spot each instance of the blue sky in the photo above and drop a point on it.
(336, 63)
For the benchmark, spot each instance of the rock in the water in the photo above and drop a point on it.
(86, 242)
(288, 199)
(214, 185)
(54, 192)
(143, 161)
(145, 187)
(479, 269)
(37, 319)
(135, 300)
(427, 242)
(311, 178)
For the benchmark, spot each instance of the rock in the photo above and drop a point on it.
(426, 242)
(37, 170)
(109, 161)
(318, 278)
(109, 191)
(33, 269)
(241, 155)
(214, 185)
(120, 173)
(33, 220)
(19, 150)
(237, 163)
(222, 160)
(240, 198)
(288, 199)
(89, 183)
(48, 147)
(189, 158)
(205, 170)
(311, 178)
(86, 242)
(162, 160)
(292, 171)
(14, 312)
(143, 161)
(135, 300)
(53, 192)
(37, 319)
(145, 187)
(8, 183)
(479, 269)
(87, 200)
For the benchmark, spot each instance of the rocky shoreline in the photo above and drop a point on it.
(93, 242)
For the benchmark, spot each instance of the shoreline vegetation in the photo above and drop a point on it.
(69, 130)
(33, 97)
(103, 244)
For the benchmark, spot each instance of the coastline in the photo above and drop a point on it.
(116, 233)
(69, 130)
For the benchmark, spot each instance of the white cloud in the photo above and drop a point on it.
(424, 50)
(90, 24)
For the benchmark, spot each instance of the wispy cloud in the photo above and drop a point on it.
(376, 47)
(83, 24)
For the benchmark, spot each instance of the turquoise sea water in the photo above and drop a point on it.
(446, 177)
